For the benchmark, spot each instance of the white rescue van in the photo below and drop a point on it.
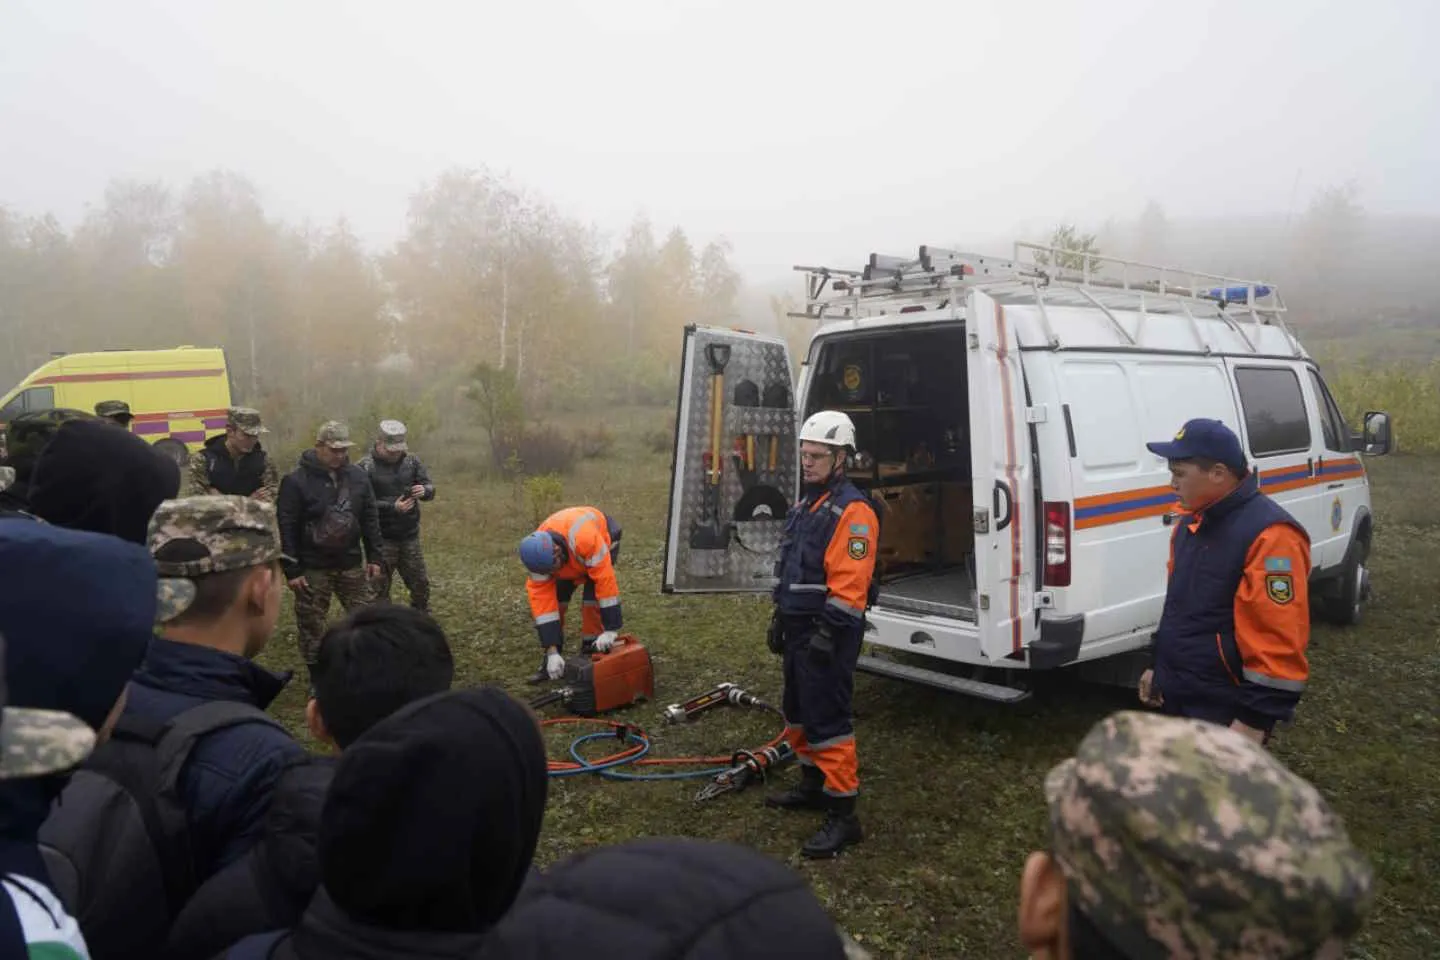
(1002, 409)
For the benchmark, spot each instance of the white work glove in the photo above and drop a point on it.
(555, 666)
(605, 641)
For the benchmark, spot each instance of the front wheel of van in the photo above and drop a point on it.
(1347, 607)
(175, 450)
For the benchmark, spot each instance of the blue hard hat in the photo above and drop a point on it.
(537, 552)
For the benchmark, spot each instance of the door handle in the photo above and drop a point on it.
(1009, 506)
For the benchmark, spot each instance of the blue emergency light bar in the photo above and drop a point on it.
(1237, 294)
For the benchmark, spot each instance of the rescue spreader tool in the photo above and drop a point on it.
(750, 766)
(724, 693)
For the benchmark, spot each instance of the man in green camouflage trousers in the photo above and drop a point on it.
(1173, 837)
(327, 513)
(400, 482)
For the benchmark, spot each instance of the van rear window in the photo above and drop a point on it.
(1275, 415)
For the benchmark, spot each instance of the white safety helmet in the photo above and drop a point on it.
(829, 427)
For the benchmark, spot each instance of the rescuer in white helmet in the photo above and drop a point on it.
(826, 568)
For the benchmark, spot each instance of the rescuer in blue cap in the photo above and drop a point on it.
(1230, 648)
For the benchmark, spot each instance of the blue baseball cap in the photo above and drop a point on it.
(1207, 439)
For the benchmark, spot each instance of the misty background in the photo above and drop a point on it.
(368, 200)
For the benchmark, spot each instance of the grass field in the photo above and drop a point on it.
(951, 787)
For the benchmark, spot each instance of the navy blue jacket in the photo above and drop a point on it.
(1231, 642)
(227, 783)
(816, 580)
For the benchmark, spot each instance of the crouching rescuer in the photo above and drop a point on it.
(572, 546)
(826, 572)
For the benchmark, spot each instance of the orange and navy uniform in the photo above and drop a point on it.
(1232, 638)
(825, 572)
(587, 548)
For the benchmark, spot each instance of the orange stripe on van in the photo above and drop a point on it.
(181, 415)
(127, 375)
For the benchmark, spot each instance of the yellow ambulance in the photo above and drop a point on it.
(178, 396)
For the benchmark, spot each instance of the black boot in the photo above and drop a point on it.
(841, 828)
(542, 674)
(807, 795)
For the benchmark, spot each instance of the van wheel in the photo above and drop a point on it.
(175, 450)
(1347, 607)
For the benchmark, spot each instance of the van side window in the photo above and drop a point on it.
(36, 398)
(1337, 434)
(1275, 416)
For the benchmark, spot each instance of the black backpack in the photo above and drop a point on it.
(117, 840)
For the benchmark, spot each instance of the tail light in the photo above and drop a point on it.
(1057, 544)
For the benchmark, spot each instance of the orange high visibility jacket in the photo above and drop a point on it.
(584, 535)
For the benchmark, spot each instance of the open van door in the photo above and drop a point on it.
(1004, 481)
(735, 471)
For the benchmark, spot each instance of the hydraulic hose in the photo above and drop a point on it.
(636, 748)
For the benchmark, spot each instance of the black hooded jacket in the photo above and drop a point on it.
(668, 899)
(91, 476)
(306, 493)
(427, 833)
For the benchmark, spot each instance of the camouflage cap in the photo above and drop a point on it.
(35, 743)
(112, 408)
(28, 433)
(334, 435)
(246, 420)
(1180, 837)
(392, 436)
(233, 532)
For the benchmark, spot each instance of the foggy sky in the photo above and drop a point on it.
(804, 131)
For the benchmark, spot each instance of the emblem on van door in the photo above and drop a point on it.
(1337, 513)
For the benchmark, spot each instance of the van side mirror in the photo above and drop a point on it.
(1375, 437)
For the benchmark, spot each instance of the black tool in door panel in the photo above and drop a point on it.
(758, 501)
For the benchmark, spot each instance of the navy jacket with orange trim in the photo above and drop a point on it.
(1236, 621)
(827, 555)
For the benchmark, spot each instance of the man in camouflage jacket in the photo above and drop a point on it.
(234, 463)
(400, 482)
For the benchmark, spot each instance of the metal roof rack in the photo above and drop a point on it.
(1052, 276)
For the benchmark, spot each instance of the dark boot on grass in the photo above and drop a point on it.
(840, 829)
(809, 794)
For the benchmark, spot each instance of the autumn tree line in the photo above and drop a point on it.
(486, 273)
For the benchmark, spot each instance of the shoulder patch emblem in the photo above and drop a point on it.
(1279, 587)
(858, 548)
(1277, 564)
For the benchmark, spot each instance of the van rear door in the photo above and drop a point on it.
(735, 470)
(1004, 481)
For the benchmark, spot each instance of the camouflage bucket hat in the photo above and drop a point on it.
(392, 436)
(334, 435)
(226, 533)
(112, 408)
(1184, 837)
(246, 420)
(36, 743)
